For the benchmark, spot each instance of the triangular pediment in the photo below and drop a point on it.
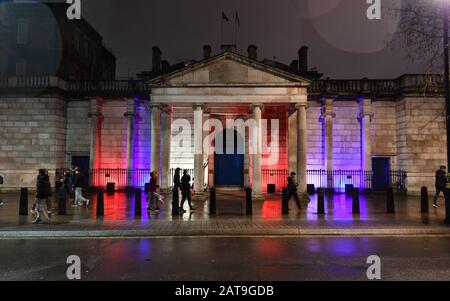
(228, 69)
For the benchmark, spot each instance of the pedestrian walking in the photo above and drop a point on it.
(441, 183)
(186, 191)
(153, 197)
(78, 185)
(177, 178)
(292, 189)
(43, 189)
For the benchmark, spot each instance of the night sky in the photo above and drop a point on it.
(343, 42)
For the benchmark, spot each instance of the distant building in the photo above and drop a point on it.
(38, 40)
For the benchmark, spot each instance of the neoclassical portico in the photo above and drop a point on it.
(235, 87)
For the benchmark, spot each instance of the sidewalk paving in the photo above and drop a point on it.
(120, 220)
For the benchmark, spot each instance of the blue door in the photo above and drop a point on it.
(229, 166)
(381, 173)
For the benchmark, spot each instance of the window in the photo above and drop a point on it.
(22, 32)
(21, 68)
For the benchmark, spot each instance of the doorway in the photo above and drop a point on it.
(381, 173)
(229, 163)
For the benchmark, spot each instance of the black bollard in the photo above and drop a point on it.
(320, 201)
(212, 201)
(62, 201)
(100, 203)
(424, 207)
(355, 205)
(138, 202)
(390, 206)
(175, 201)
(23, 205)
(248, 201)
(285, 202)
(447, 205)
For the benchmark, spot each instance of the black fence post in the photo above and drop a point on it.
(175, 201)
(100, 202)
(355, 203)
(138, 202)
(248, 201)
(390, 205)
(424, 206)
(212, 201)
(23, 205)
(320, 201)
(447, 205)
(62, 201)
(285, 202)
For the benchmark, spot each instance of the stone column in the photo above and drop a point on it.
(292, 140)
(198, 150)
(95, 118)
(166, 135)
(130, 114)
(365, 118)
(155, 138)
(327, 119)
(257, 152)
(301, 145)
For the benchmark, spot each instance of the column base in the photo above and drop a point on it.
(199, 196)
(258, 196)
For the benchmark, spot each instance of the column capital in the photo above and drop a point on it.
(256, 105)
(301, 105)
(199, 107)
(365, 108)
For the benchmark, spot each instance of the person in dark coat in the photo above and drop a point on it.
(292, 189)
(43, 192)
(441, 183)
(177, 179)
(186, 191)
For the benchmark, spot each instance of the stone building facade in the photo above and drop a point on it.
(335, 125)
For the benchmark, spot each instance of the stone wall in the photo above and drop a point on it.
(421, 139)
(33, 136)
(78, 130)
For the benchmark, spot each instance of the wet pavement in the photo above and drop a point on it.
(225, 259)
(120, 219)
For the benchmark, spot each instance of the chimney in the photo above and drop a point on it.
(294, 66)
(156, 60)
(228, 48)
(165, 66)
(303, 59)
(252, 51)
(206, 52)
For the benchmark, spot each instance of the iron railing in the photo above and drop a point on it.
(331, 179)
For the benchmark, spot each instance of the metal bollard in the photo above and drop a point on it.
(320, 201)
(424, 205)
(62, 202)
(23, 205)
(175, 201)
(248, 201)
(390, 205)
(212, 201)
(100, 203)
(355, 205)
(285, 202)
(138, 202)
(447, 205)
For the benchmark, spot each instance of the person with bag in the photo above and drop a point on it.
(78, 184)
